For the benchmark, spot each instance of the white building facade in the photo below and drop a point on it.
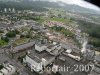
(34, 65)
(40, 48)
(8, 70)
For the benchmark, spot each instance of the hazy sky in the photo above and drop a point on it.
(80, 3)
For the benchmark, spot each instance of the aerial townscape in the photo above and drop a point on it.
(41, 37)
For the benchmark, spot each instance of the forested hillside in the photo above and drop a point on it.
(93, 30)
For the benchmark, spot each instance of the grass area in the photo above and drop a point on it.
(41, 20)
(3, 43)
(57, 11)
(21, 41)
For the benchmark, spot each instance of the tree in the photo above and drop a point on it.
(11, 34)
(1, 67)
(28, 36)
(59, 15)
(62, 30)
(6, 39)
(16, 31)
(21, 36)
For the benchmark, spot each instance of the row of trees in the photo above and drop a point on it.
(63, 31)
(36, 18)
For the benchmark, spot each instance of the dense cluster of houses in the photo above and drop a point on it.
(53, 23)
(7, 69)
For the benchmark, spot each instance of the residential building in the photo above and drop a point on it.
(8, 70)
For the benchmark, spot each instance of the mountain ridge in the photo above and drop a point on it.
(24, 4)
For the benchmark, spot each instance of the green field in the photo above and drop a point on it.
(41, 20)
(66, 21)
(3, 43)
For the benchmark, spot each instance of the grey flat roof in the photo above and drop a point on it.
(69, 62)
(43, 54)
(22, 47)
(50, 46)
(35, 58)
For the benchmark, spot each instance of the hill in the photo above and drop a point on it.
(40, 4)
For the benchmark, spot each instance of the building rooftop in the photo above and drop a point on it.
(35, 58)
(97, 58)
(36, 27)
(6, 25)
(42, 43)
(43, 54)
(64, 62)
(49, 47)
(22, 47)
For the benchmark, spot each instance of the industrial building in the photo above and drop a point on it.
(71, 54)
(38, 60)
(22, 47)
